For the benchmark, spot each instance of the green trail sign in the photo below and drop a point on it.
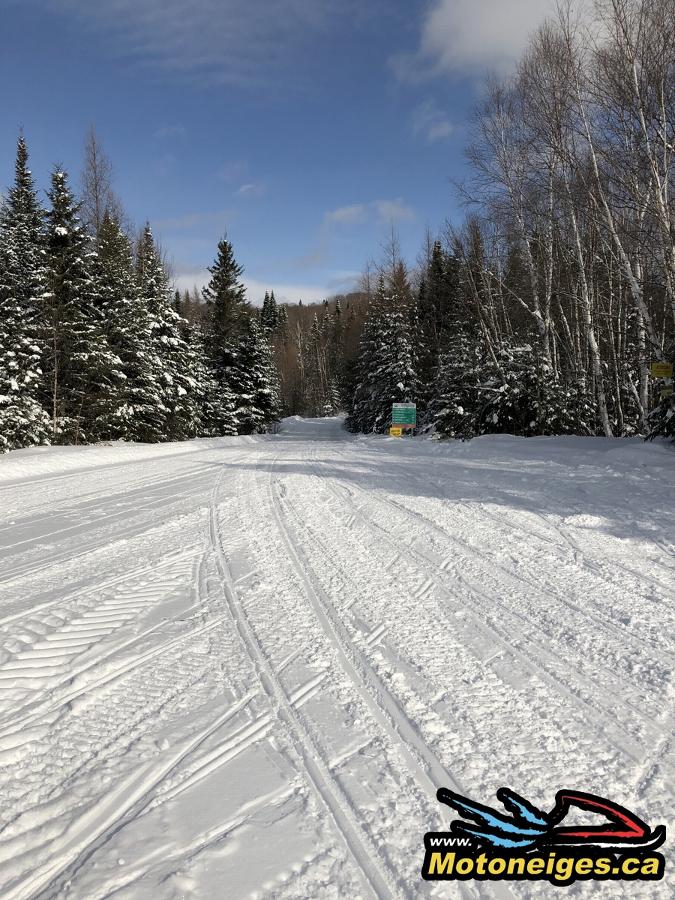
(404, 414)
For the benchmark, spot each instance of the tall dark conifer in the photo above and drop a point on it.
(82, 374)
(227, 314)
(23, 420)
(253, 379)
(140, 411)
(177, 385)
(385, 369)
(438, 316)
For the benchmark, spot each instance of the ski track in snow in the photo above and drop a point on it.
(242, 667)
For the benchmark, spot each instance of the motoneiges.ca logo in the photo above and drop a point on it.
(527, 844)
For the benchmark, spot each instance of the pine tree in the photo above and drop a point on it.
(662, 420)
(225, 296)
(177, 383)
(438, 315)
(253, 379)
(23, 420)
(282, 322)
(82, 374)
(503, 392)
(455, 399)
(269, 315)
(227, 313)
(385, 371)
(139, 413)
(215, 411)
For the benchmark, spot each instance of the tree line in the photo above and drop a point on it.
(94, 345)
(543, 313)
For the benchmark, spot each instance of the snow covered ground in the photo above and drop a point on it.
(241, 667)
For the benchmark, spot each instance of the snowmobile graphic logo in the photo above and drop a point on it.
(528, 828)
(526, 843)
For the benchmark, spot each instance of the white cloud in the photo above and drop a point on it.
(342, 282)
(393, 211)
(211, 41)
(252, 190)
(347, 215)
(284, 293)
(383, 211)
(467, 36)
(430, 122)
(187, 279)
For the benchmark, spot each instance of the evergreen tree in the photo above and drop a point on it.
(282, 322)
(385, 371)
(23, 420)
(455, 404)
(438, 315)
(269, 316)
(140, 412)
(177, 384)
(253, 379)
(82, 374)
(504, 392)
(214, 403)
(227, 315)
(225, 296)
(662, 420)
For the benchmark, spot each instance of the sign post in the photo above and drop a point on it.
(403, 418)
(404, 415)
(662, 370)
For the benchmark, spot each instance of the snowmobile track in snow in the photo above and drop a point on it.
(383, 881)
(533, 654)
(124, 803)
(423, 765)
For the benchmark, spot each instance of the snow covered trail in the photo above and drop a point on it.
(242, 667)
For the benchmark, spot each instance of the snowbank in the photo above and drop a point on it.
(40, 462)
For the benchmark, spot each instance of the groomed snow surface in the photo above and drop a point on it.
(241, 667)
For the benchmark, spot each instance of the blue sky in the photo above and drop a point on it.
(304, 128)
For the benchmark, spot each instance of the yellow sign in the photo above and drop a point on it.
(662, 370)
(396, 432)
(666, 392)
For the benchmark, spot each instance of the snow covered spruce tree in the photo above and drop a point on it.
(385, 368)
(23, 420)
(254, 381)
(140, 412)
(245, 377)
(177, 386)
(82, 374)
(269, 315)
(225, 298)
(517, 395)
(455, 394)
(439, 315)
